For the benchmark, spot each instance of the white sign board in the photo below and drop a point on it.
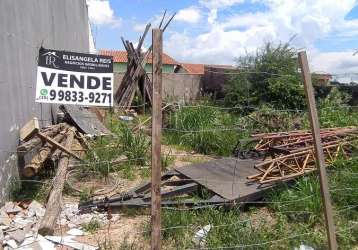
(74, 78)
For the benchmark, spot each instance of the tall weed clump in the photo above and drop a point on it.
(204, 129)
(335, 112)
(125, 142)
(134, 145)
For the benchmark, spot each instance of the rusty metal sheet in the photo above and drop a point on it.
(226, 177)
(86, 121)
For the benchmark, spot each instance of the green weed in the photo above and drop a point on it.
(92, 226)
(134, 145)
(204, 129)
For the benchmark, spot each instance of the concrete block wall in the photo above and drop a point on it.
(176, 86)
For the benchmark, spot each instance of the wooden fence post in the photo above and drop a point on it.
(320, 162)
(157, 41)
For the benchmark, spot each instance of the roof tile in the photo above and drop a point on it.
(121, 56)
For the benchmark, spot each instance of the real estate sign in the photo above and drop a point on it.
(74, 78)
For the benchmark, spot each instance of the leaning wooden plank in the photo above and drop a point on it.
(29, 129)
(58, 145)
(34, 142)
(54, 202)
(36, 163)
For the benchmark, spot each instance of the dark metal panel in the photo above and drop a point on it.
(86, 121)
(225, 177)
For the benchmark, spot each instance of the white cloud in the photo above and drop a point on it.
(189, 15)
(334, 62)
(101, 13)
(232, 35)
(217, 4)
(139, 27)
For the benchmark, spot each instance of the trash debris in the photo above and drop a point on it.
(75, 232)
(304, 247)
(20, 230)
(70, 242)
(11, 208)
(17, 235)
(126, 118)
(200, 236)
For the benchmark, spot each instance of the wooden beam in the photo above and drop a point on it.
(320, 162)
(157, 42)
(58, 145)
(37, 161)
(54, 202)
(36, 141)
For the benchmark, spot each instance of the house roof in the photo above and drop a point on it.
(120, 56)
(193, 68)
(322, 76)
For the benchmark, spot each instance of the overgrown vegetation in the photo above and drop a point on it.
(294, 214)
(267, 96)
(205, 129)
(334, 110)
(126, 148)
(268, 77)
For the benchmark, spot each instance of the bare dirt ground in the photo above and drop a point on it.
(128, 232)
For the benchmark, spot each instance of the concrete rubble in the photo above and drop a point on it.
(19, 224)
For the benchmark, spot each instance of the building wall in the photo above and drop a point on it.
(25, 25)
(122, 67)
(176, 86)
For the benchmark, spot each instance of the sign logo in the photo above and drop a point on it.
(51, 58)
(43, 92)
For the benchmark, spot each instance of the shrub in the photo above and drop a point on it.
(269, 76)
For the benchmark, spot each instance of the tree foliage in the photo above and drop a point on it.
(268, 77)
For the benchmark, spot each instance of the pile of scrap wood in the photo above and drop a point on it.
(51, 143)
(292, 153)
(57, 143)
(135, 78)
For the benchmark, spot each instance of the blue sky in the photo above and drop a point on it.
(218, 31)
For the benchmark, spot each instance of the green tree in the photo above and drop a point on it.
(269, 77)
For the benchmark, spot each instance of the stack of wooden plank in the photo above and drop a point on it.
(135, 78)
(49, 143)
(293, 152)
(57, 143)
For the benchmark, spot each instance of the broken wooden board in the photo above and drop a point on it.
(85, 121)
(29, 129)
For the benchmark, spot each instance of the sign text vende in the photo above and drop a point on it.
(74, 78)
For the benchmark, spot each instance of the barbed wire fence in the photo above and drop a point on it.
(192, 228)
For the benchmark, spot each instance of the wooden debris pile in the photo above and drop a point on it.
(56, 144)
(50, 143)
(135, 78)
(292, 153)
